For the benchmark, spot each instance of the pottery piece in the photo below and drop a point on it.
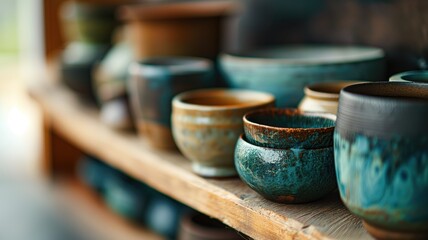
(110, 78)
(94, 173)
(381, 154)
(177, 29)
(88, 22)
(323, 97)
(153, 84)
(207, 123)
(163, 214)
(126, 196)
(420, 76)
(285, 71)
(76, 66)
(286, 175)
(289, 128)
(197, 226)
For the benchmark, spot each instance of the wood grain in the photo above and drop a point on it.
(229, 200)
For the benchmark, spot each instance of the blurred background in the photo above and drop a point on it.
(33, 33)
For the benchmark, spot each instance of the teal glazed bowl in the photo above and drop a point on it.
(381, 153)
(286, 175)
(420, 76)
(285, 71)
(289, 128)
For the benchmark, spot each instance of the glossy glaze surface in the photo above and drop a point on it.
(289, 128)
(286, 176)
(381, 154)
(285, 71)
(153, 84)
(207, 124)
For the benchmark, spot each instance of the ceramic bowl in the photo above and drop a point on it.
(285, 71)
(381, 153)
(420, 76)
(286, 175)
(76, 65)
(207, 123)
(163, 214)
(323, 97)
(94, 173)
(153, 84)
(197, 226)
(126, 196)
(289, 128)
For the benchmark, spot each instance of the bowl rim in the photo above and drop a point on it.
(359, 53)
(399, 77)
(264, 99)
(183, 64)
(311, 91)
(244, 139)
(293, 112)
(349, 92)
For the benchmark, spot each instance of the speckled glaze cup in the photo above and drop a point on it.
(153, 84)
(207, 123)
(286, 175)
(323, 97)
(420, 76)
(289, 128)
(381, 153)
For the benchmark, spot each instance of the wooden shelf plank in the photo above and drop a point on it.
(89, 212)
(229, 200)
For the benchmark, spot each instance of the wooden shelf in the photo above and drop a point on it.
(229, 200)
(90, 213)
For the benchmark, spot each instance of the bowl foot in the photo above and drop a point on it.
(211, 171)
(381, 233)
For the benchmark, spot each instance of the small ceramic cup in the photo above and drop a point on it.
(289, 128)
(323, 97)
(286, 175)
(420, 76)
(153, 84)
(207, 123)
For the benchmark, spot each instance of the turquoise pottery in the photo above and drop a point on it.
(286, 175)
(289, 128)
(420, 76)
(381, 153)
(94, 173)
(163, 214)
(126, 196)
(285, 71)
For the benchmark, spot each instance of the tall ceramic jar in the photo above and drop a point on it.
(381, 157)
(323, 97)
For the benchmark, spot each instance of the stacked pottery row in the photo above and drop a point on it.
(381, 155)
(287, 155)
(137, 202)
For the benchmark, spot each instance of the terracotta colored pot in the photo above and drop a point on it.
(323, 97)
(153, 84)
(289, 128)
(381, 157)
(207, 123)
(184, 29)
(197, 226)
